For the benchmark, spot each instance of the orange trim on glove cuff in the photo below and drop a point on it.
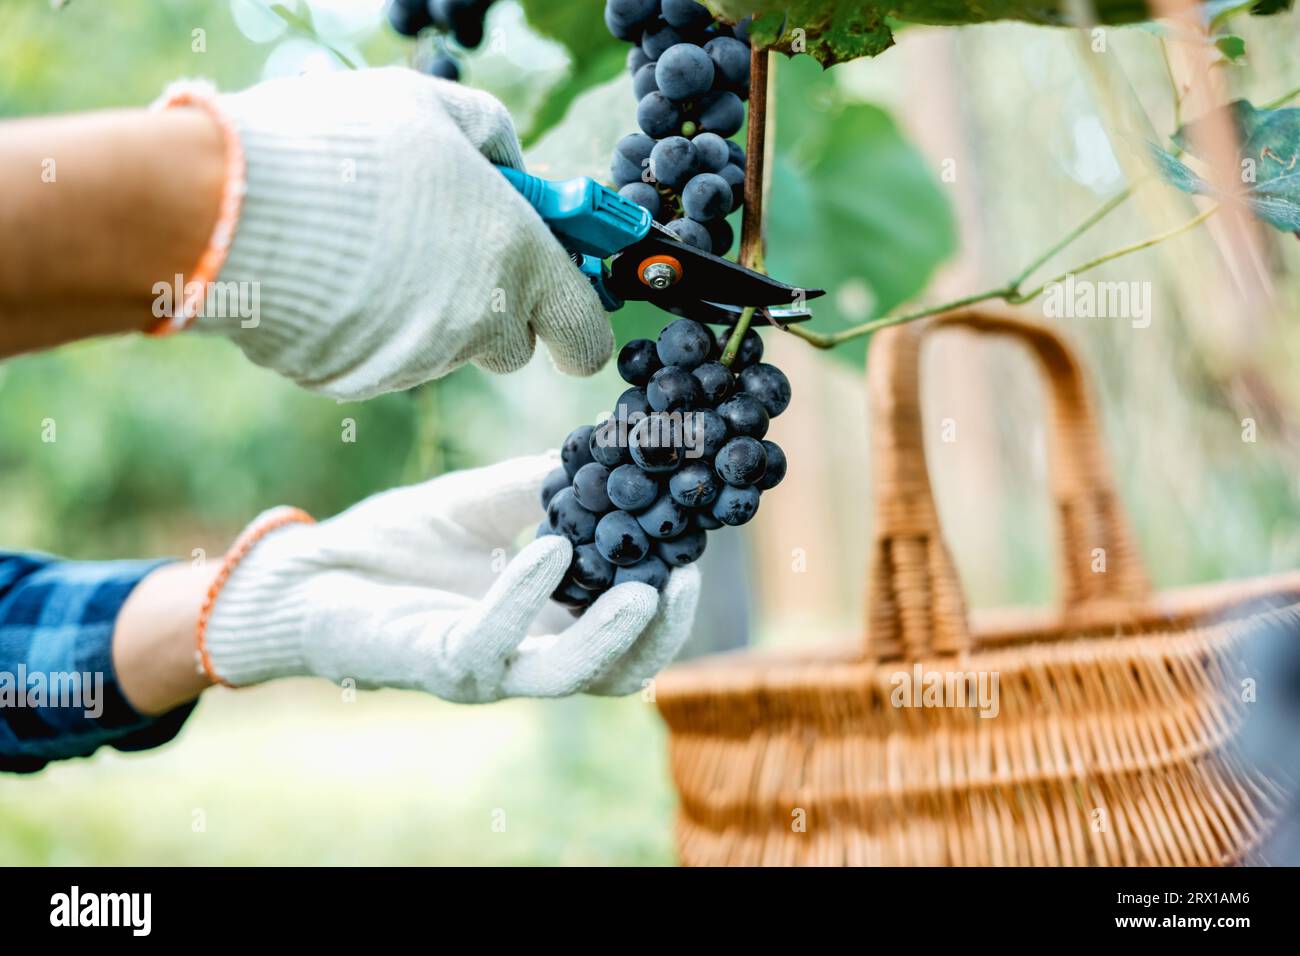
(255, 532)
(234, 185)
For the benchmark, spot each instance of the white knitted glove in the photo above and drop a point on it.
(385, 248)
(411, 588)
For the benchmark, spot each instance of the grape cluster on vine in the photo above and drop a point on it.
(691, 79)
(460, 19)
(683, 453)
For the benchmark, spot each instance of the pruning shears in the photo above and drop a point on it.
(647, 262)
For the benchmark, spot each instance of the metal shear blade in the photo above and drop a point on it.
(717, 313)
(700, 278)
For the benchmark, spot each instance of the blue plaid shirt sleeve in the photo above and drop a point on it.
(59, 695)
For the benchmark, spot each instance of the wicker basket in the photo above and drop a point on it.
(1114, 713)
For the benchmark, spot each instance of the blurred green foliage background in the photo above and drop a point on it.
(165, 447)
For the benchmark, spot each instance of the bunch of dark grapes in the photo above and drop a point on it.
(683, 453)
(691, 78)
(462, 19)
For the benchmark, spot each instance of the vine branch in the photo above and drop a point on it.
(1011, 292)
(751, 227)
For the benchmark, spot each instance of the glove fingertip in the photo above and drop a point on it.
(546, 559)
(631, 600)
(580, 352)
(681, 582)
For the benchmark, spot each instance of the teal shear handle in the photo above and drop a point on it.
(584, 215)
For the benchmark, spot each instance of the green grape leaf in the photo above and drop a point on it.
(1175, 172)
(1231, 46)
(595, 56)
(833, 31)
(1268, 161)
(841, 32)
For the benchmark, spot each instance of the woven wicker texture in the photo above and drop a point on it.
(1109, 739)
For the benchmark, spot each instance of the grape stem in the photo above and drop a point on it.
(1011, 292)
(751, 227)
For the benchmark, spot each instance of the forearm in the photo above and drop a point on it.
(154, 639)
(98, 208)
(66, 645)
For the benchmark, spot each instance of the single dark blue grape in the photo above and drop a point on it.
(589, 487)
(658, 38)
(637, 361)
(735, 177)
(721, 236)
(775, 466)
(633, 11)
(466, 18)
(408, 17)
(686, 14)
(571, 519)
(720, 112)
(711, 150)
(651, 571)
(704, 433)
(622, 25)
(692, 233)
(744, 415)
(684, 72)
(636, 59)
(631, 158)
(545, 528)
(704, 521)
(750, 351)
(608, 447)
(633, 401)
(572, 595)
(706, 197)
(715, 353)
(741, 461)
(620, 540)
(683, 549)
(672, 161)
(631, 489)
(443, 67)
(737, 153)
(694, 485)
(683, 343)
(715, 380)
(768, 384)
(589, 569)
(673, 389)
(643, 194)
(656, 443)
(576, 450)
(552, 483)
(621, 177)
(644, 83)
(730, 61)
(663, 519)
(741, 30)
(658, 116)
(734, 506)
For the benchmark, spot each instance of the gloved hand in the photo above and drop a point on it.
(385, 249)
(411, 588)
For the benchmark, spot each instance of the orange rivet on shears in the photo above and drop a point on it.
(659, 272)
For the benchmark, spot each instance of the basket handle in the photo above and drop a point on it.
(915, 604)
